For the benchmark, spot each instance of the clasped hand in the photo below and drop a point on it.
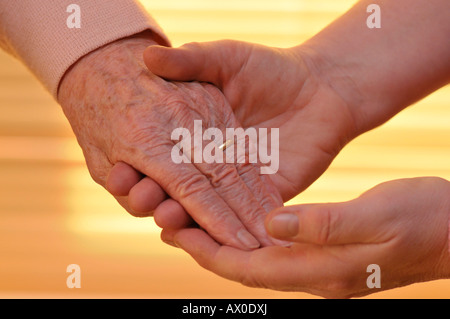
(228, 216)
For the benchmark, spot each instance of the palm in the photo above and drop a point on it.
(274, 88)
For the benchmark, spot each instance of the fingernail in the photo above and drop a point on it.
(247, 239)
(284, 225)
(282, 243)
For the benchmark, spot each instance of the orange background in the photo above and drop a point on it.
(52, 214)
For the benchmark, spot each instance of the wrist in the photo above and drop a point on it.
(135, 43)
(106, 57)
(334, 76)
(379, 72)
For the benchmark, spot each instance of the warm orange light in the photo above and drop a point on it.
(52, 214)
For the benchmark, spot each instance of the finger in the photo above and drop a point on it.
(273, 267)
(138, 195)
(121, 178)
(205, 62)
(192, 189)
(167, 235)
(237, 178)
(242, 188)
(117, 179)
(250, 170)
(225, 261)
(171, 215)
(236, 181)
(212, 193)
(359, 221)
(266, 195)
(145, 196)
(230, 185)
(123, 201)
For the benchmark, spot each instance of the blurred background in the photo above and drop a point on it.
(52, 214)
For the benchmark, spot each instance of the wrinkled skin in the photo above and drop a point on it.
(402, 226)
(315, 122)
(271, 88)
(344, 81)
(122, 113)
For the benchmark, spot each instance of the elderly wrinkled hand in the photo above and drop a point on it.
(123, 117)
(266, 88)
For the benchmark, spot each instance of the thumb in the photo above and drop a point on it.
(204, 62)
(359, 221)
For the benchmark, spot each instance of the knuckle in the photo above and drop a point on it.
(251, 281)
(253, 219)
(190, 184)
(262, 277)
(96, 178)
(248, 172)
(97, 172)
(138, 129)
(259, 184)
(140, 136)
(175, 101)
(192, 45)
(254, 277)
(326, 221)
(145, 125)
(222, 175)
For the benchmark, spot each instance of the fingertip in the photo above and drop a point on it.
(282, 224)
(145, 196)
(121, 178)
(152, 50)
(247, 240)
(167, 236)
(156, 58)
(123, 201)
(165, 62)
(180, 64)
(282, 243)
(171, 215)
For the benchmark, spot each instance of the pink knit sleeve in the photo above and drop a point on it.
(40, 34)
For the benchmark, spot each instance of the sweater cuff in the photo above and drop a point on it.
(40, 36)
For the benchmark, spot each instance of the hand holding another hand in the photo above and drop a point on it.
(314, 121)
(402, 226)
(123, 115)
(270, 88)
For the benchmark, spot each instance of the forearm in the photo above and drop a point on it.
(381, 71)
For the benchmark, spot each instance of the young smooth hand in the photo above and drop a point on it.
(270, 88)
(402, 226)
